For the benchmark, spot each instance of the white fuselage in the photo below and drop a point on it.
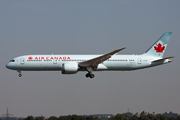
(54, 62)
(71, 64)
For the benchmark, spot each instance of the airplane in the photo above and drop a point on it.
(71, 64)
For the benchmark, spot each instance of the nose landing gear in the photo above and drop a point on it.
(20, 75)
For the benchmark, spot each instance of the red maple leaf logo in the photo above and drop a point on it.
(30, 58)
(159, 48)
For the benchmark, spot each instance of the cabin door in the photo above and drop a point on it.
(139, 61)
(55, 61)
(22, 60)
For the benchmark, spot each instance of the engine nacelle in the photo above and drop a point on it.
(69, 68)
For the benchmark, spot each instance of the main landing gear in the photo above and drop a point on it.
(20, 75)
(90, 75)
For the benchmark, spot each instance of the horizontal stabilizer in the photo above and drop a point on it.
(163, 59)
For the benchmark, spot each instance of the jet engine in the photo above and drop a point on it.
(69, 68)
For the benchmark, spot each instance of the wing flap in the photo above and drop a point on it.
(95, 61)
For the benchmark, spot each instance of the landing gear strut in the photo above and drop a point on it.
(20, 75)
(89, 74)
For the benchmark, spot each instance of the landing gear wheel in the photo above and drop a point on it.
(20, 75)
(91, 75)
(87, 75)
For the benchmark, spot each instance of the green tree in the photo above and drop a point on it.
(143, 116)
(157, 117)
(151, 116)
(178, 117)
(125, 116)
(74, 117)
(172, 118)
(118, 117)
(52, 118)
(39, 118)
(134, 117)
(63, 118)
(162, 117)
(29, 118)
(89, 118)
(82, 117)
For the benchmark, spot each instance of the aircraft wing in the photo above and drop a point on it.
(95, 61)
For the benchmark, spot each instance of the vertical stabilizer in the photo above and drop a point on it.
(159, 47)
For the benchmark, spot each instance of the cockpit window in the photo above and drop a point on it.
(12, 60)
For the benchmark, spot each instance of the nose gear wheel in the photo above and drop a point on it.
(20, 75)
(19, 71)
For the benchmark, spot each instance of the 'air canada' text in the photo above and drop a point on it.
(49, 58)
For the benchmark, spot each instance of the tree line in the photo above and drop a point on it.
(124, 116)
(146, 116)
(69, 117)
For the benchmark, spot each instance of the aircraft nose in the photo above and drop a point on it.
(7, 66)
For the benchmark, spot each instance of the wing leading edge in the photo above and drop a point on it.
(93, 63)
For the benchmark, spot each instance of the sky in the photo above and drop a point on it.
(88, 27)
